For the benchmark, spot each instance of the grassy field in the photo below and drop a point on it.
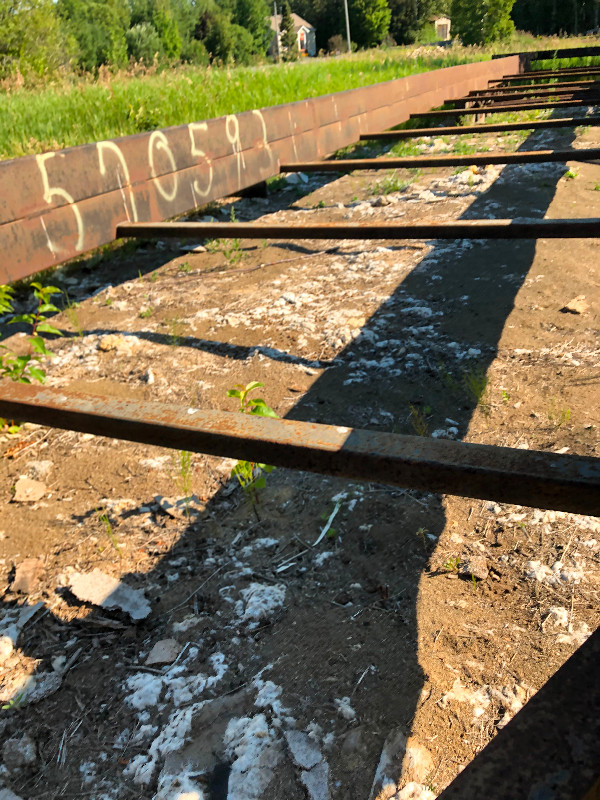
(78, 111)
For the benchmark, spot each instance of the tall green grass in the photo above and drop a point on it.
(78, 111)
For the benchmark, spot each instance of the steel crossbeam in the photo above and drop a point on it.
(504, 108)
(526, 477)
(493, 127)
(463, 229)
(444, 160)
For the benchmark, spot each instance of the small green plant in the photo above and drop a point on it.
(24, 369)
(571, 174)
(70, 312)
(154, 276)
(16, 702)
(597, 187)
(250, 474)
(106, 524)
(186, 267)
(320, 204)
(475, 384)
(182, 463)
(421, 534)
(474, 582)
(175, 331)
(391, 183)
(418, 419)
(505, 396)
(452, 564)
(147, 312)
(108, 301)
(558, 416)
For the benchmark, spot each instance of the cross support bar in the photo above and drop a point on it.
(493, 127)
(544, 480)
(523, 157)
(464, 229)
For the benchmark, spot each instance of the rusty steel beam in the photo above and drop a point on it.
(579, 72)
(500, 108)
(545, 480)
(536, 87)
(563, 94)
(459, 130)
(444, 160)
(464, 229)
(551, 748)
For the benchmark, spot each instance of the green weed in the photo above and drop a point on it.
(108, 530)
(392, 183)
(452, 564)
(250, 474)
(475, 384)
(183, 466)
(25, 368)
(571, 174)
(558, 417)
(418, 419)
(146, 313)
(186, 267)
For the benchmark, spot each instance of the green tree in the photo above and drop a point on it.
(98, 28)
(32, 39)
(143, 42)
(166, 27)
(253, 15)
(289, 42)
(482, 21)
(369, 21)
(409, 17)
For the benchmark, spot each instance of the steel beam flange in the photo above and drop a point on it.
(545, 480)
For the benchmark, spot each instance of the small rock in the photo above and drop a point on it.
(403, 761)
(193, 248)
(28, 490)
(43, 685)
(39, 470)
(292, 178)
(27, 575)
(381, 201)
(102, 590)
(577, 305)
(304, 751)
(122, 345)
(149, 377)
(6, 648)
(164, 652)
(19, 752)
(475, 567)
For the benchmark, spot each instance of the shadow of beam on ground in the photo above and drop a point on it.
(419, 357)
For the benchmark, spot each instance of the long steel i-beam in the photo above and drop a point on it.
(445, 160)
(464, 229)
(492, 127)
(540, 479)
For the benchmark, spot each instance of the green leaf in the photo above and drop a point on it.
(38, 345)
(260, 483)
(23, 318)
(233, 393)
(46, 308)
(37, 374)
(45, 327)
(253, 385)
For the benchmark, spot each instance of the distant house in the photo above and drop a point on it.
(442, 28)
(305, 35)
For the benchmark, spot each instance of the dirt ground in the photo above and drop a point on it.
(418, 624)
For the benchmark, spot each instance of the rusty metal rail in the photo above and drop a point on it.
(503, 108)
(548, 74)
(525, 96)
(464, 229)
(547, 480)
(492, 127)
(408, 162)
(536, 87)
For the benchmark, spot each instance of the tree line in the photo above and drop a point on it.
(39, 37)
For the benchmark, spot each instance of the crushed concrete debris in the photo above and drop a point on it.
(27, 575)
(28, 490)
(344, 709)
(259, 601)
(163, 652)
(475, 567)
(578, 305)
(105, 591)
(316, 781)
(255, 750)
(19, 752)
(403, 760)
(305, 752)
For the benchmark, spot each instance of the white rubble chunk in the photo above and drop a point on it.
(164, 652)
(28, 490)
(107, 592)
(255, 751)
(259, 601)
(316, 781)
(344, 709)
(304, 750)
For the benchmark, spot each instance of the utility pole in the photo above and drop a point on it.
(277, 40)
(348, 26)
